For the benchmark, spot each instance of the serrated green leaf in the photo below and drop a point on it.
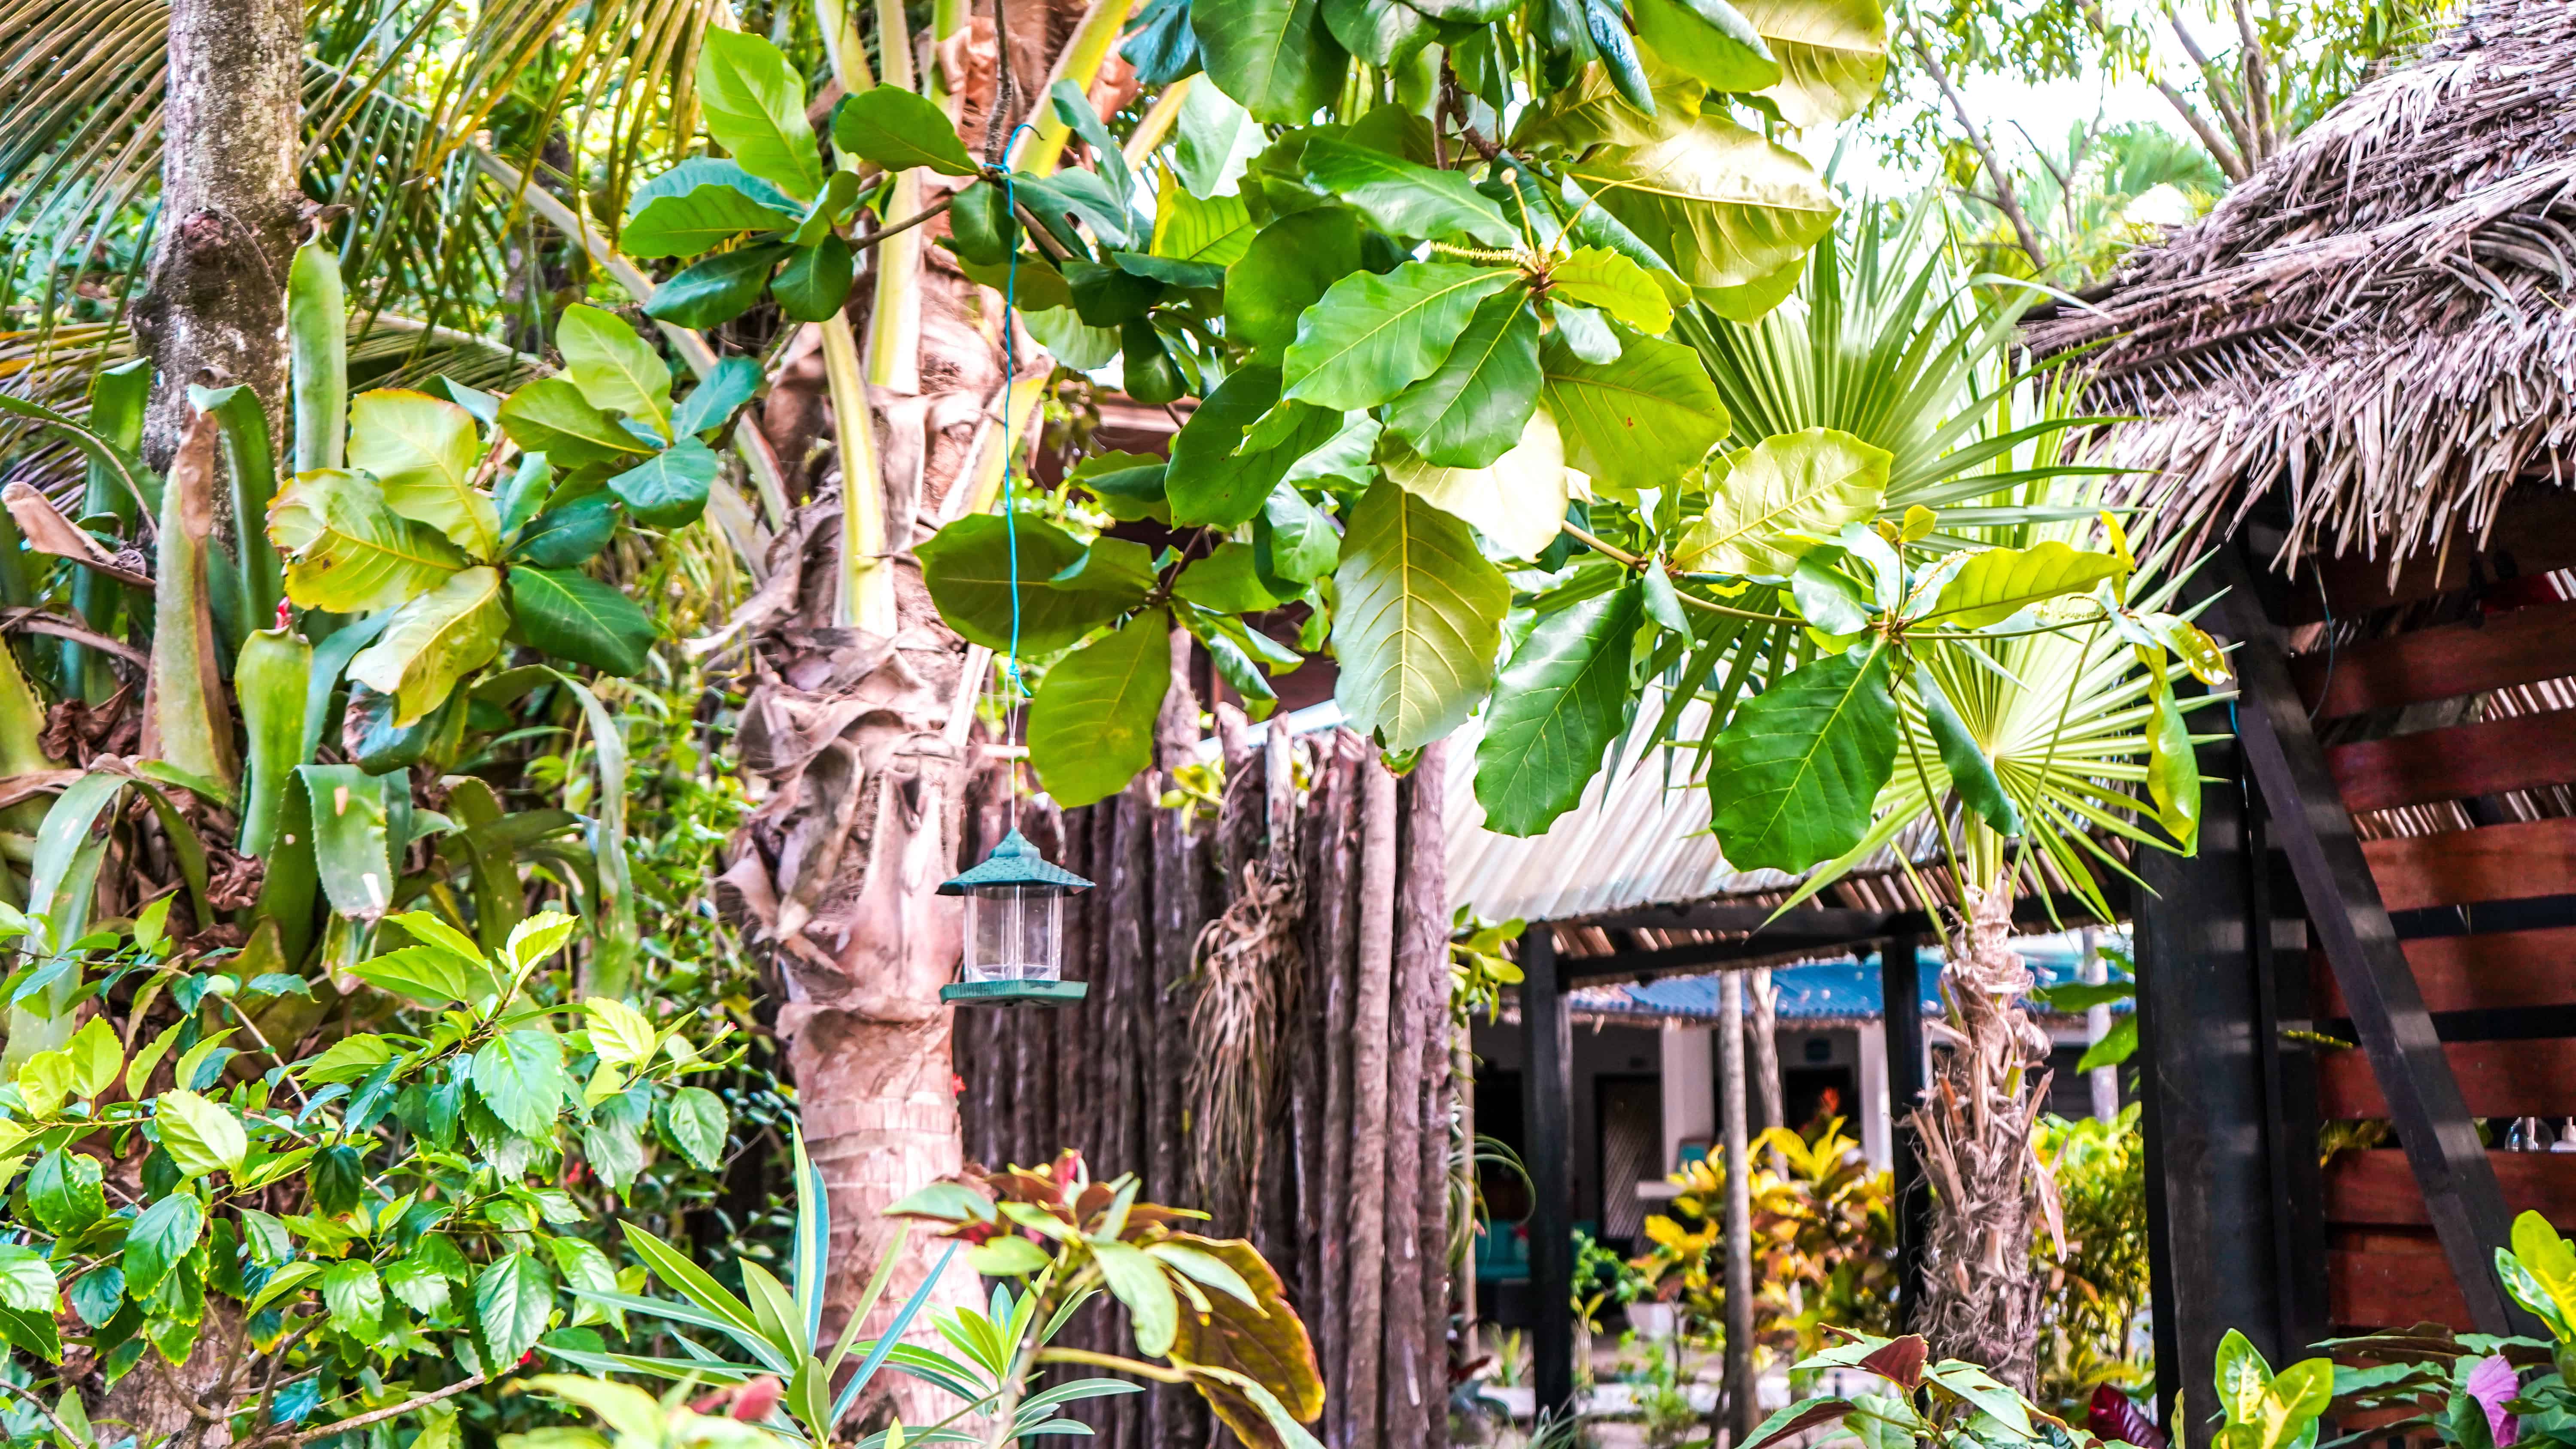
(421, 451)
(520, 1076)
(754, 103)
(1770, 501)
(1091, 726)
(436, 640)
(891, 127)
(355, 1296)
(201, 1136)
(697, 1121)
(1793, 777)
(512, 1299)
(349, 553)
(1560, 702)
(1418, 620)
(161, 1235)
(1639, 422)
(1372, 336)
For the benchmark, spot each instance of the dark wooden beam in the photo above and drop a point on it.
(1798, 924)
(1547, 1096)
(2309, 822)
(1799, 930)
(1900, 986)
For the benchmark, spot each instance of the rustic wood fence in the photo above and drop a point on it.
(1268, 1037)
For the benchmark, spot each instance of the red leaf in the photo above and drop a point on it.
(1900, 1361)
(2113, 1416)
(1799, 1417)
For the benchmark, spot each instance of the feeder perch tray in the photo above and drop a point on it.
(1014, 993)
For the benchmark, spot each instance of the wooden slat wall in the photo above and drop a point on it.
(2384, 1266)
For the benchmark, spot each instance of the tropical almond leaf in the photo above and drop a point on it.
(421, 451)
(1275, 57)
(698, 220)
(1641, 421)
(1769, 499)
(550, 416)
(1711, 40)
(669, 489)
(1091, 726)
(1793, 777)
(349, 553)
(1600, 277)
(616, 370)
(1832, 54)
(1997, 583)
(1720, 203)
(755, 108)
(574, 616)
(1560, 702)
(1517, 501)
(1419, 619)
(893, 128)
(1372, 336)
(1474, 406)
(1405, 199)
(1238, 446)
(436, 640)
(968, 569)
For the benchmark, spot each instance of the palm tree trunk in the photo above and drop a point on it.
(1980, 1298)
(215, 311)
(1742, 1404)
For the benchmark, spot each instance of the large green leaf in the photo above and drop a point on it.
(1641, 421)
(1217, 230)
(1091, 726)
(1600, 277)
(1971, 769)
(1997, 583)
(574, 616)
(1559, 703)
(1516, 502)
(1418, 619)
(1768, 502)
(550, 416)
(1136, 1280)
(1710, 39)
(1286, 269)
(2173, 770)
(669, 489)
(1404, 199)
(1792, 778)
(755, 108)
(891, 127)
(422, 452)
(615, 370)
(968, 568)
(1720, 203)
(717, 290)
(349, 553)
(1832, 54)
(520, 1076)
(201, 1136)
(1275, 57)
(436, 640)
(1372, 336)
(513, 1295)
(161, 1235)
(1238, 446)
(700, 219)
(1474, 405)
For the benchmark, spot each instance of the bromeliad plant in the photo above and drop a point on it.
(365, 1227)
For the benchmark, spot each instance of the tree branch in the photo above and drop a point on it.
(393, 1411)
(2238, 163)
(2258, 85)
(1994, 165)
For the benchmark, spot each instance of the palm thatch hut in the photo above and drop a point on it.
(2355, 385)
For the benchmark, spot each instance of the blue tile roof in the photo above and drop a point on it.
(1846, 988)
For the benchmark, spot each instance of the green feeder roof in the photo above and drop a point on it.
(1014, 862)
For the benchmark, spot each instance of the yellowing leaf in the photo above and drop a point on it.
(436, 640)
(2000, 582)
(1763, 498)
(1518, 501)
(422, 451)
(347, 551)
(619, 1033)
(1600, 277)
(1832, 54)
(1722, 204)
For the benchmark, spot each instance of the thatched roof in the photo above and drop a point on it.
(2376, 319)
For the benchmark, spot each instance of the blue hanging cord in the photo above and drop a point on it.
(1010, 376)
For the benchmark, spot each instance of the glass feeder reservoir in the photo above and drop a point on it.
(1014, 927)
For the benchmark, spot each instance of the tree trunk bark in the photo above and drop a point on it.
(1371, 1020)
(215, 310)
(1762, 1039)
(1980, 1298)
(1742, 1405)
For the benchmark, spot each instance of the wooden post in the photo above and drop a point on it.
(1742, 1405)
(1371, 1024)
(1762, 1040)
(1547, 1107)
(1900, 985)
(2308, 819)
